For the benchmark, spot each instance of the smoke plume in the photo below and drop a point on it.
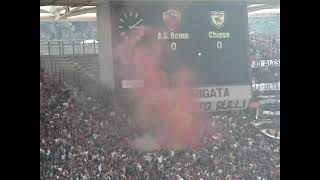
(166, 112)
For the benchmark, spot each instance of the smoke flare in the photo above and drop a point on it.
(167, 114)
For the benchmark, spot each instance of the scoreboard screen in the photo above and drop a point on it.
(209, 37)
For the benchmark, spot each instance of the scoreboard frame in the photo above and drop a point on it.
(246, 84)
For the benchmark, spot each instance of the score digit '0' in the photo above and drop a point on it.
(173, 46)
(219, 45)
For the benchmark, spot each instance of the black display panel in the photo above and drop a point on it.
(209, 37)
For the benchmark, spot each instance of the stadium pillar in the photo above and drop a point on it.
(106, 67)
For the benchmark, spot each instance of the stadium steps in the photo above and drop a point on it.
(87, 65)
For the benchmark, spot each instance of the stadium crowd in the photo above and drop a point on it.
(82, 139)
(265, 49)
(264, 46)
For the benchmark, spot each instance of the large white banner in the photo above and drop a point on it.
(222, 98)
(132, 84)
(269, 96)
(265, 63)
(267, 87)
(224, 105)
(273, 113)
(269, 101)
(218, 98)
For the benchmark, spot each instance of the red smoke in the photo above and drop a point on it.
(169, 112)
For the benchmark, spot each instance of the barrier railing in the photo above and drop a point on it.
(75, 47)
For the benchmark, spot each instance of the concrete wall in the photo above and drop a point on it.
(106, 64)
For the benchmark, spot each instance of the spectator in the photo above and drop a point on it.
(75, 144)
(82, 137)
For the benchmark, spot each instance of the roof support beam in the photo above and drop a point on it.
(44, 11)
(266, 6)
(80, 12)
(66, 2)
(263, 2)
(70, 12)
(97, 2)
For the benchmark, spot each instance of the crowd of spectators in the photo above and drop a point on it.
(267, 24)
(264, 46)
(81, 139)
(266, 75)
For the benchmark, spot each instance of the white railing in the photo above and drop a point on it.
(75, 47)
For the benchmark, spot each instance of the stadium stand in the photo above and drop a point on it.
(82, 139)
(87, 135)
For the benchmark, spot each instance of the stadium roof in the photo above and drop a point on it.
(85, 10)
(55, 13)
(265, 12)
(97, 2)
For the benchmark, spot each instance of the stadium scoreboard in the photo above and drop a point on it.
(209, 37)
